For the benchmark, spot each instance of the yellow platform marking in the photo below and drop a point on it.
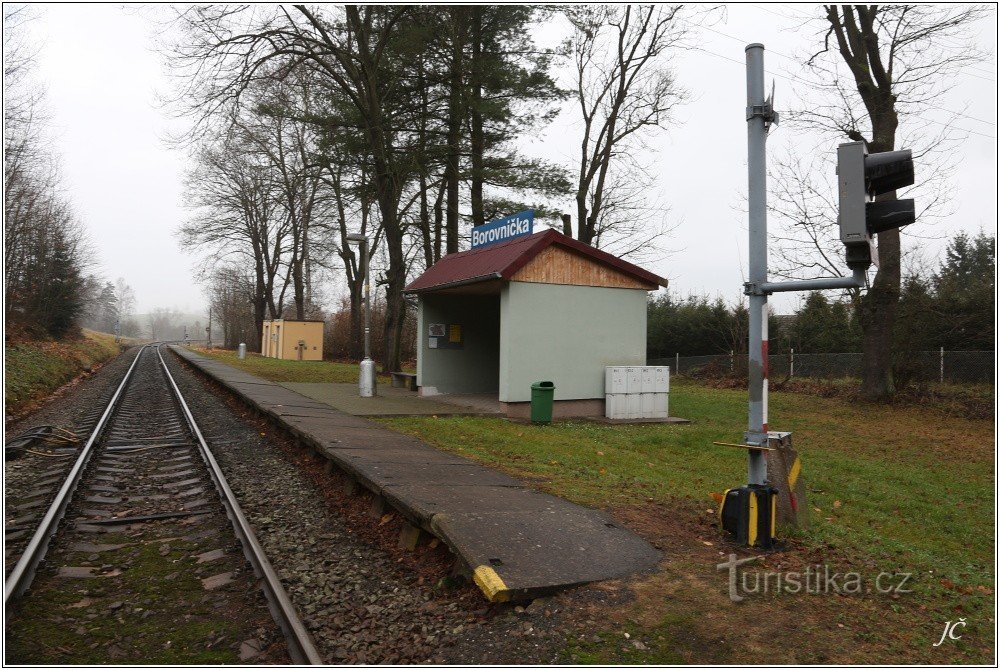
(487, 579)
(793, 474)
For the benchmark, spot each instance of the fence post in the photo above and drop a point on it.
(677, 363)
(942, 366)
(791, 363)
(732, 366)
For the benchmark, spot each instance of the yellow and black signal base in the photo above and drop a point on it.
(750, 513)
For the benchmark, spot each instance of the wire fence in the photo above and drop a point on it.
(964, 367)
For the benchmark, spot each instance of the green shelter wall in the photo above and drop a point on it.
(567, 335)
(475, 366)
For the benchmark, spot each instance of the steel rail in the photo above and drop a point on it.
(300, 644)
(19, 579)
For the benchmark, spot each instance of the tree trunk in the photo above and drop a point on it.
(439, 220)
(425, 216)
(582, 233)
(455, 116)
(478, 142)
(878, 316)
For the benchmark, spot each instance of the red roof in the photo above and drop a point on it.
(503, 260)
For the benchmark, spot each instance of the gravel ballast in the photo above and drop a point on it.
(362, 600)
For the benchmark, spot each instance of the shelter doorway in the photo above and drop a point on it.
(459, 348)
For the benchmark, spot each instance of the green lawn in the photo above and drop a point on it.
(898, 488)
(906, 479)
(903, 488)
(277, 370)
(34, 369)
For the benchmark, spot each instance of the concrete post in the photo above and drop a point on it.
(677, 363)
(941, 374)
(241, 351)
(757, 115)
(791, 363)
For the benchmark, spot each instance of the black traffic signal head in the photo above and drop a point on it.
(888, 171)
(861, 177)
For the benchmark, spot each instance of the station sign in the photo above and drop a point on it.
(502, 230)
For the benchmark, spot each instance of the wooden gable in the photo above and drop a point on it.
(558, 265)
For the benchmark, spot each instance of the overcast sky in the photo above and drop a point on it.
(102, 73)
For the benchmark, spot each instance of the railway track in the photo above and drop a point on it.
(145, 465)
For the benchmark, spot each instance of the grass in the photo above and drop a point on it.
(887, 470)
(33, 369)
(897, 488)
(277, 370)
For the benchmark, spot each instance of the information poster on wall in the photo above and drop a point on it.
(444, 336)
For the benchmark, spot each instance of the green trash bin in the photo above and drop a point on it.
(541, 402)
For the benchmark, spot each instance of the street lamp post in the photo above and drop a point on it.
(366, 381)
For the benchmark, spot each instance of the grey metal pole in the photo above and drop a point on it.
(757, 115)
(366, 376)
(368, 299)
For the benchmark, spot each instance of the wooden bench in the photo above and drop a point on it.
(404, 380)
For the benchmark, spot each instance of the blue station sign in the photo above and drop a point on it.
(501, 230)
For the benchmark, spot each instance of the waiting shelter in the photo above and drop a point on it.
(292, 340)
(495, 319)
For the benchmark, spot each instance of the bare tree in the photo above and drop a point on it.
(899, 61)
(285, 144)
(237, 215)
(624, 89)
(124, 299)
(352, 50)
(45, 248)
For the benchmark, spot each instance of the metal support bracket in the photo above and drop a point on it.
(765, 111)
(857, 280)
(755, 440)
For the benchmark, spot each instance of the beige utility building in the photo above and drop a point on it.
(292, 340)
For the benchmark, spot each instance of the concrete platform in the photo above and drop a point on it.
(517, 542)
(390, 401)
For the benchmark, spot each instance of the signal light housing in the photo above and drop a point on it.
(861, 177)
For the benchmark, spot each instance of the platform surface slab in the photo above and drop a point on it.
(519, 542)
(538, 553)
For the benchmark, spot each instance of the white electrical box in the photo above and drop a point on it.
(614, 380)
(660, 405)
(614, 405)
(633, 402)
(648, 404)
(647, 380)
(633, 380)
(661, 380)
(636, 392)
